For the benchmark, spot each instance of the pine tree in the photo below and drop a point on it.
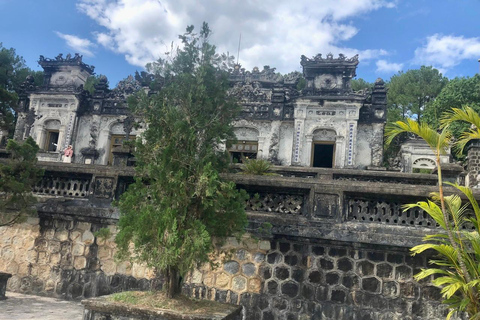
(179, 203)
(18, 176)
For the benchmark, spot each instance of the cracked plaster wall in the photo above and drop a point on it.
(369, 149)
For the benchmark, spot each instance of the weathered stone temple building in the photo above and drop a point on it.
(325, 124)
(338, 246)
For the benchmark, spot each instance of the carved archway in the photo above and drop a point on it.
(424, 163)
(246, 133)
(323, 135)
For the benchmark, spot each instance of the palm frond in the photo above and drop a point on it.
(431, 208)
(456, 209)
(466, 114)
(428, 272)
(450, 289)
(438, 142)
(474, 203)
(466, 137)
(446, 251)
(450, 314)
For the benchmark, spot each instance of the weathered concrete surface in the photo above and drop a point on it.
(101, 308)
(23, 307)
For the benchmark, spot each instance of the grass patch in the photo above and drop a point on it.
(158, 299)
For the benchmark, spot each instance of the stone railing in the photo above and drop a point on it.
(57, 184)
(278, 202)
(349, 205)
(387, 212)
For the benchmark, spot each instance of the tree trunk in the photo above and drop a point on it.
(172, 282)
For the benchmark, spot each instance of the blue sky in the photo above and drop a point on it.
(120, 36)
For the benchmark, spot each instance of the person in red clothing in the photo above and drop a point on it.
(68, 154)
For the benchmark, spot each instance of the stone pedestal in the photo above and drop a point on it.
(122, 157)
(89, 155)
(3, 284)
(102, 308)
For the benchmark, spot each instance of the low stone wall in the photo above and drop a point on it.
(301, 279)
(63, 258)
(285, 278)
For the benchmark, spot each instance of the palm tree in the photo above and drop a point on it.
(459, 250)
(459, 261)
(465, 114)
(439, 142)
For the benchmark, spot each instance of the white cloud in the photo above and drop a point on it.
(384, 66)
(80, 45)
(275, 32)
(445, 52)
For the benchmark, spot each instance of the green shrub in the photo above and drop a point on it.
(259, 167)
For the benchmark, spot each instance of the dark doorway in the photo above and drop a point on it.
(323, 155)
(52, 140)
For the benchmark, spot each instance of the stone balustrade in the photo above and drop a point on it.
(335, 204)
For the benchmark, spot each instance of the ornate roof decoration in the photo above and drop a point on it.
(292, 78)
(329, 60)
(125, 87)
(267, 75)
(28, 85)
(379, 85)
(59, 60)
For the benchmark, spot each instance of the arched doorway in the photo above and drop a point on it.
(52, 134)
(323, 148)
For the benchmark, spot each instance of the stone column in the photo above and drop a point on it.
(351, 142)
(261, 154)
(299, 137)
(307, 150)
(61, 137)
(40, 137)
(69, 130)
(473, 164)
(339, 152)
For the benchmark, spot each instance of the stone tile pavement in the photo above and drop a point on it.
(24, 307)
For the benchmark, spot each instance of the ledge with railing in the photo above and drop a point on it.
(334, 204)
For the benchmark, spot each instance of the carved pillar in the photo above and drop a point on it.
(379, 118)
(69, 130)
(40, 137)
(261, 148)
(61, 135)
(473, 164)
(351, 142)
(298, 136)
(339, 151)
(20, 127)
(308, 151)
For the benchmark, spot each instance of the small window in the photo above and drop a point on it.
(243, 150)
(52, 141)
